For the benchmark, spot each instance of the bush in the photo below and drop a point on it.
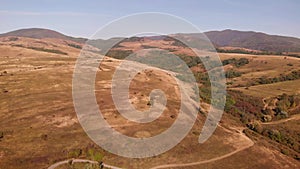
(205, 94)
(238, 63)
(119, 54)
(246, 108)
(74, 153)
(190, 60)
(74, 46)
(267, 118)
(243, 51)
(241, 62)
(232, 74)
(94, 155)
(48, 50)
(294, 75)
(285, 151)
(43, 49)
(255, 126)
(229, 103)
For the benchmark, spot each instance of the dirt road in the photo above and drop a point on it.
(294, 117)
(53, 166)
(248, 143)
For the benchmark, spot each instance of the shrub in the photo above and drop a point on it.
(205, 94)
(229, 103)
(294, 75)
(232, 74)
(243, 51)
(285, 151)
(147, 46)
(43, 49)
(74, 153)
(190, 60)
(74, 46)
(94, 155)
(256, 126)
(241, 62)
(238, 63)
(267, 118)
(246, 108)
(98, 156)
(119, 54)
(48, 50)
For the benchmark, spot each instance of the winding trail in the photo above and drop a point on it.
(247, 144)
(294, 117)
(53, 166)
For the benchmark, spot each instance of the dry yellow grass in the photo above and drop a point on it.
(267, 66)
(272, 90)
(39, 121)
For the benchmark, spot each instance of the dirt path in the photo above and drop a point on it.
(294, 117)
(248, 143)
(53, 166)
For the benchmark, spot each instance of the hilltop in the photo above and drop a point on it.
(254, 40)
(241, 40)
(40, 33)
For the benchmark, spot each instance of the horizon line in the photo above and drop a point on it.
(215, 30)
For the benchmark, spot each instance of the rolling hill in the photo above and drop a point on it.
(254, 40)
(39, 33)
(227, 38)
(247, 39)
(37, 108)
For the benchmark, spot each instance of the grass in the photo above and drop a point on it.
(259, 66)
(271, 90)
(36, 98)
(285, 133)
(282, 137)
(56, 51)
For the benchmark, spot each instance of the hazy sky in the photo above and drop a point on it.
(84, 17)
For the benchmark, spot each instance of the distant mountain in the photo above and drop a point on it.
(254, 41)
(226, 38)
(39, 33)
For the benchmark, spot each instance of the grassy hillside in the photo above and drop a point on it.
(39, 33)
(39, 125)
(254, 40)
(241, 41)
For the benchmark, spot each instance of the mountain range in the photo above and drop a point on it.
(227, 38)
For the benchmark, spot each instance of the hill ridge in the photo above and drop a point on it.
(40, 33)
(225, 38)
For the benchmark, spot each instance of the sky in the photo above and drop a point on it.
(82, 18)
